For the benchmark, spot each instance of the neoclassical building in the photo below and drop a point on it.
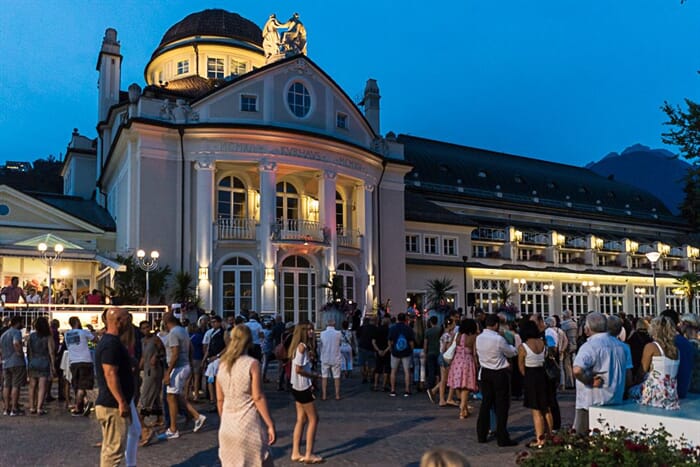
(242, 162)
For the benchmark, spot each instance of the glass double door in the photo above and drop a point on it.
(238, 296)
(298, 294)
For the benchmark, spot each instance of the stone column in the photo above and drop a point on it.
(365, 222)
(268, 197)
(204, 222)
(326, 202)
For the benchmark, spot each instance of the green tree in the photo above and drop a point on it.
(504, 293)
(183, 289)
(689, 284)
(438, 289)
(130, 285)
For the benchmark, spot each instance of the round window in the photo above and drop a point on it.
(298, 100)
(4, 209)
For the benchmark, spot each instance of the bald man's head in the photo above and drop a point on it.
(117, 320)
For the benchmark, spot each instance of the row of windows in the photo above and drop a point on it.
(431, 244)
(215, 67)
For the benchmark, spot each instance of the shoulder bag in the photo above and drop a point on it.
(449, 354)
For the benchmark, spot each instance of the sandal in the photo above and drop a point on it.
(314, 460)
(297, 459)
(452, 403)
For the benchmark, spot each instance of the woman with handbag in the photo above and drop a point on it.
(462, 374)
(446, 341)
(537, 391)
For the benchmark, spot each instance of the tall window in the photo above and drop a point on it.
(237, 286)
(486, 293)
(413, 243)
(287, 201)
(215, 68)
(644, 302)
(574, 298)
(611, 298)
(297, 290)
(339, 214)
(449, 246)
(298, 99)
(535, 299)
(183, 66)
(430, 245)
(232, 198)
(347, 277)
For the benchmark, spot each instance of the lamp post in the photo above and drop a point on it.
(653, 257)
(50, 259)
(148, 265)
(464, 269)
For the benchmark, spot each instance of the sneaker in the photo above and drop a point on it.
(6, 413)
(392, 394)
(171, 435)
(406, 394)
(17, 413)
(86, 410)
(199, 423)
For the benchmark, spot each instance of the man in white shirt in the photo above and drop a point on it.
(81, 367)
(330, 358)
(600, 369)
(257, 335)
(493, 352)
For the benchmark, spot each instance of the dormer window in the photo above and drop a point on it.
(183, 66)
(298, 100)
(215, 68)
(238, 67)
(249, 103)
(341, 121)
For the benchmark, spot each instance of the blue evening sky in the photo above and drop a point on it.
(558, 80)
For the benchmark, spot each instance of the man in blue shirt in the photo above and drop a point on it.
(686, 353)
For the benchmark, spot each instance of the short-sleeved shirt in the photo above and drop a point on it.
(381, 337)
(197, 347)
(77, 344)
(177, 337)
(10, 357)
(395, 333)
(432, 335)
(686, 354)
(365, 334)
(299, 382)
(111, 351)
(255, 330)
(605, 356)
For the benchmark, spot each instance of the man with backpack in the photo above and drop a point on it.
(401, 342)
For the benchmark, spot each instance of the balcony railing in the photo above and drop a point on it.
(236, 228)
(298, 229)
(348, 238)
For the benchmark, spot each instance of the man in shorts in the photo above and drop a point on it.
(401, 341)
(178, 372)
(14, 367)
(81, 367)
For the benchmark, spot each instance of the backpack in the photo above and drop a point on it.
(401, 343)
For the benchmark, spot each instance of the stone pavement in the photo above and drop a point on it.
(364, 428)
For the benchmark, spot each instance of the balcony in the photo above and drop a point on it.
(348, 238)
(235, 228)
(298, 230)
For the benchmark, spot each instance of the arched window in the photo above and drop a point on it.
(339, 214)
(287, 201)
(347, 277)
(232, 199)
(238, 285)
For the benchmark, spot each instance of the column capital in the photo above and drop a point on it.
(329, 175)
(204, 163)
(368, 187)
(267, 166)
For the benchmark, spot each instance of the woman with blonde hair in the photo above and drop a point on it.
(302, 390)
(246, 428)
(660, 366)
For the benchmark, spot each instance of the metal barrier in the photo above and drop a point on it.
(88, 314)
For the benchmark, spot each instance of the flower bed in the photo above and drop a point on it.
(621, 447)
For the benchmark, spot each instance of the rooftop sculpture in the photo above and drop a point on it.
(291, 42)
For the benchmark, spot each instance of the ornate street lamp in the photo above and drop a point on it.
(653, 257)
(50, 259)
(466, 295)
(148, 265)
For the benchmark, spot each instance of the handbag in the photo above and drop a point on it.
(280, 352)
(449, 354)
(551, 367)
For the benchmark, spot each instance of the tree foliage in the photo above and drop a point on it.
(130, 285)
(438, 289)
(689, 284)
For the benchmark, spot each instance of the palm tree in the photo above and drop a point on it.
(183, 289)
(689, 284)
(504, 293)
(438, 290)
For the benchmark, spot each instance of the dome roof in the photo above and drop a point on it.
(214, 22)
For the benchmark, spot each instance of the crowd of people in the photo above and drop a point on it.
(146, 377)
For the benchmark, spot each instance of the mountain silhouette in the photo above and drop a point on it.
(657, 171)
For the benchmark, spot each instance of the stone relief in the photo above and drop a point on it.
(178, 111)
(292, 41)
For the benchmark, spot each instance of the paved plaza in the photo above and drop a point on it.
(364, 428)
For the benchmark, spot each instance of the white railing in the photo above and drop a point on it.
(348, 238)
(88, 314)
(236, 228)
(298, 229)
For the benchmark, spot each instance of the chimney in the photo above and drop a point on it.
(371, 103)
(109, 64)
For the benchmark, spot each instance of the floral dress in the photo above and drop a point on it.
(462, 373)
(659, 386)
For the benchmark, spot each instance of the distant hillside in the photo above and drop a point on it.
(654, 170)
(43, 176)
